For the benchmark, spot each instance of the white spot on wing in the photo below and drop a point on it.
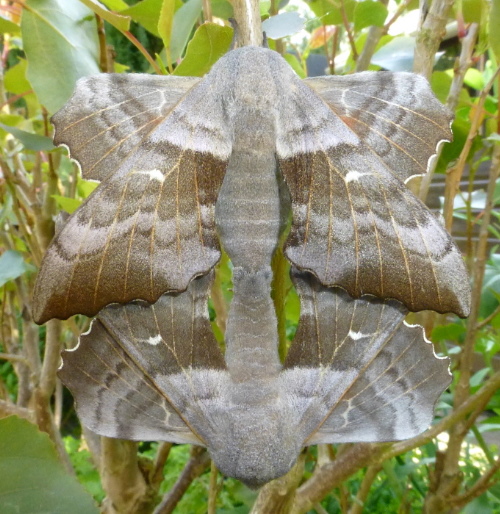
(354, 175)
(357, 335)
(153, 341)
(152, 174)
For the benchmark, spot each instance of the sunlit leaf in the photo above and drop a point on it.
(321, 36)
(474, 78)
(282, 25)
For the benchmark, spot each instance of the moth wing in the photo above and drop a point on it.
(355, 224)
(136, 373)
(368, 375)
(159, 147)
(395, 114)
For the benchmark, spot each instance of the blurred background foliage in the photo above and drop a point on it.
(48, 462)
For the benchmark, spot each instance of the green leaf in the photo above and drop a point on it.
(223, 9)
(85, 187)
(329, 11)
(61, 45)
(451, 332)
(472, 10)
(118, 21)
(15, 78)
(494, 33)
(165, 21)
(264, 6)
(210, 42)
(33, 478)
(9, 27)
(478, 378)
(397, 55)
(12, 265)
(70, 205)
(115, 5)
(282, 25)
(146, 13)
(440, 84)
(184, 20)
(292, 60)
(474, 78)
(30, 141)
(369, 13)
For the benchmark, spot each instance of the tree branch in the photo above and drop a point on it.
(249, 27)
(430, 35)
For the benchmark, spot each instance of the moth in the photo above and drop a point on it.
(161, 148)
(221, 165)
(355, 372)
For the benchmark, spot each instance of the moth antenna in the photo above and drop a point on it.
(234, 24)
(265, 43)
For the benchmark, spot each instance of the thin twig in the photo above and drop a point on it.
(364, 489)
(480, 487)
(489, 318)
(455, 174)
(212, 489)
(348, 30)
(196, 465)
(143, 51)
(13, 357)
(461, 66)
(374, 35)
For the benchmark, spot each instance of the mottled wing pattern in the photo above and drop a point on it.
(160, 153)
(367, 374)
(395, 114)
(355, 224)
(139, 363)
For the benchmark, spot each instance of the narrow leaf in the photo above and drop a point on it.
(166, 20)
(494, 33)
(184, 20)
(30, 141)
(118, 21)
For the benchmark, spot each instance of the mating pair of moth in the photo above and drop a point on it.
(190, 165)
